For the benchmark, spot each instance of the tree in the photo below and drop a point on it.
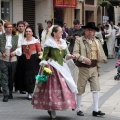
(104, 3)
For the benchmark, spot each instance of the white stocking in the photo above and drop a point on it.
(95, 100)
(79, 97)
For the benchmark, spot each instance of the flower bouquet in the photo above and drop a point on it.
(44, 76)
(40, 57)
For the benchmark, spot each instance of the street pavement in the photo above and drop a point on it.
(19, 108)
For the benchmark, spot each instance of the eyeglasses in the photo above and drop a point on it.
(9, 27)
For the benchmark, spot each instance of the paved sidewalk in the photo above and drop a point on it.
(109, 95)
(21, 109)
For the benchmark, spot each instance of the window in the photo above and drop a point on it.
(89, 2)
(6, 9)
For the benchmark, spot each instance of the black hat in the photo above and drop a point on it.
(91, 25)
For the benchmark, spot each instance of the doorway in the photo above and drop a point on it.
(58, 16)
(77, 14)
(89, 16)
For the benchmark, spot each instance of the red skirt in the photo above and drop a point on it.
(54, 94)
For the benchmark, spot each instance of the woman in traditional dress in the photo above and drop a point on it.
(28, 64)
(108, 37)
(58, 92)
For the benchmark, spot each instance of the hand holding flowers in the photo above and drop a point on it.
(41, 55)
(44, 76)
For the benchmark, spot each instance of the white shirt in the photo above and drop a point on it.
(20, 36)
(9, 44)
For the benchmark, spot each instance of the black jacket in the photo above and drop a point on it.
(73, 32)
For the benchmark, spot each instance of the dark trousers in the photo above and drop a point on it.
(4, 78)
(11, 67)
(105, 48)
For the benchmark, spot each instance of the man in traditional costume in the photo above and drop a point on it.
(9, 47)
(89, 53)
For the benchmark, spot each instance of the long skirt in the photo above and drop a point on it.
(25, 73)
(54, 94)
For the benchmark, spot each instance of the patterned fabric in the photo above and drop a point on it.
(3, 42)
(117, 63)
(94, 51)
(53, 94)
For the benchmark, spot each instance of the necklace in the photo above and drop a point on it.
(60, 48)
(27, 48)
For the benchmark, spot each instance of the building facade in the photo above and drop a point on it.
(39, 11)
(92, 12)
(114, 11)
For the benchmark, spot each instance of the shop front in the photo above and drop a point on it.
(65, 11)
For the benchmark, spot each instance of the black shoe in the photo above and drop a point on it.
(80, 113)
(5, 99)
(49, 112)
(10, 96)
(99, 113)
(22, 92)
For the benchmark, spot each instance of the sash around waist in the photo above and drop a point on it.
(9, 58)
(80, 64)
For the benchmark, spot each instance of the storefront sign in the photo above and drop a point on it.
(65, 3)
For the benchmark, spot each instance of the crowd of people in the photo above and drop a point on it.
(61, 48)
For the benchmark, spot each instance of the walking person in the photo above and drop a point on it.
(74, 33)
(58, 92)
(1, 32)
(40, 29)
(45, 33)
(9, 47)
(89, 53)
(109, 41)
(28, 64)
(21, 34)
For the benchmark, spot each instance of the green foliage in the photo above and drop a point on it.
(104, 3)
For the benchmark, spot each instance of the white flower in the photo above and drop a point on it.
(35, 102)
(59, 91)
(69, 102)
(59, 103)
(50, 103)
